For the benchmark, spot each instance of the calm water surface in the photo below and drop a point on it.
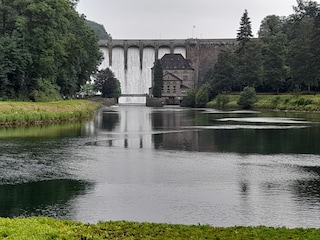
(169, 165)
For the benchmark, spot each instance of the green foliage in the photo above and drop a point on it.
(47, 91)
(48, 228)
(279, 102)
(302, 101)
(44, 40)
(245, 32)
(157, 79)
(87, 90)
(106, 83)
(190, 99)
(222, 100)
(247, 98)
(202, 97)
(270, 26)
(223, 77)
(249, 65)
(299, 52)
(99, 30)
(274, 61)
(20, 113)
(285, 57)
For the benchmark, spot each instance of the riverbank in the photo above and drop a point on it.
(31, 113)
(290, 102)
(48, 228)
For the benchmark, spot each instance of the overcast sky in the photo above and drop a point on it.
(179, 19)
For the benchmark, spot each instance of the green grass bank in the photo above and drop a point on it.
(29, 113)
(290, 102)
(48, 228)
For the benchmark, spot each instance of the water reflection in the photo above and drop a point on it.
(214, 131)
(167, 165)
(72, 129)
(43, 198)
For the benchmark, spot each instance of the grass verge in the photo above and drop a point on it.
(28, 113)
(292, 102)
(48, 228)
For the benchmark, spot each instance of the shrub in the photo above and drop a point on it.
(202, 97)
(222, 100)
(190, 99)
(247, 98)
(303, 102)
(275, 102)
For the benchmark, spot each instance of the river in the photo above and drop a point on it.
(170, 165)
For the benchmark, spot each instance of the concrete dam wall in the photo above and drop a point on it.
(132, 60)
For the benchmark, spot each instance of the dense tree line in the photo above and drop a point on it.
(46, 49)
(284, 58)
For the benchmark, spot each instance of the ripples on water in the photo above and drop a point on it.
(167, 165)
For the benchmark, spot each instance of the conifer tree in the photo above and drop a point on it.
(158, 79)
(245, 32)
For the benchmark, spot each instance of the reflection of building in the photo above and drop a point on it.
(178, 139)
(178, 77)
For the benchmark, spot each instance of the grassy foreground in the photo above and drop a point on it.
(292, 102)
(48, 228)
(24, 113)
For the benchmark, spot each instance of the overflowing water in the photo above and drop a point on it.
(170, 165)
(135, 75)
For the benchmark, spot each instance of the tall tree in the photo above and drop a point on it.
(249, 64)
(49, 44)
(270, 26)
(157, 79)
(315, 49)
(223, 77)
(245, 31)
(301, 52)
(305, 8)
(275, 70)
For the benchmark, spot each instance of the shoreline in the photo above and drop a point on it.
(273, 102)
(50, 228)
(15, 114)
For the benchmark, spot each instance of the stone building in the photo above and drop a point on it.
(178, 78)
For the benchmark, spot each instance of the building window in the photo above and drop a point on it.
(168, 89)
(174, 88)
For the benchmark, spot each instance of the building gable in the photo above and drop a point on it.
(170, 77)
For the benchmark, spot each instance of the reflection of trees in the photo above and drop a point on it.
(109, 120)
(72, 129)
(45, 198)
(308, 190)
(305, 140)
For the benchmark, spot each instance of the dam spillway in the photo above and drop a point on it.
(132, 60)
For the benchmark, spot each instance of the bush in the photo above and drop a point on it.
(46, 91)
(202, 97)
(222, 100)
(303, 102)
(247, 98)
(190, 99)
